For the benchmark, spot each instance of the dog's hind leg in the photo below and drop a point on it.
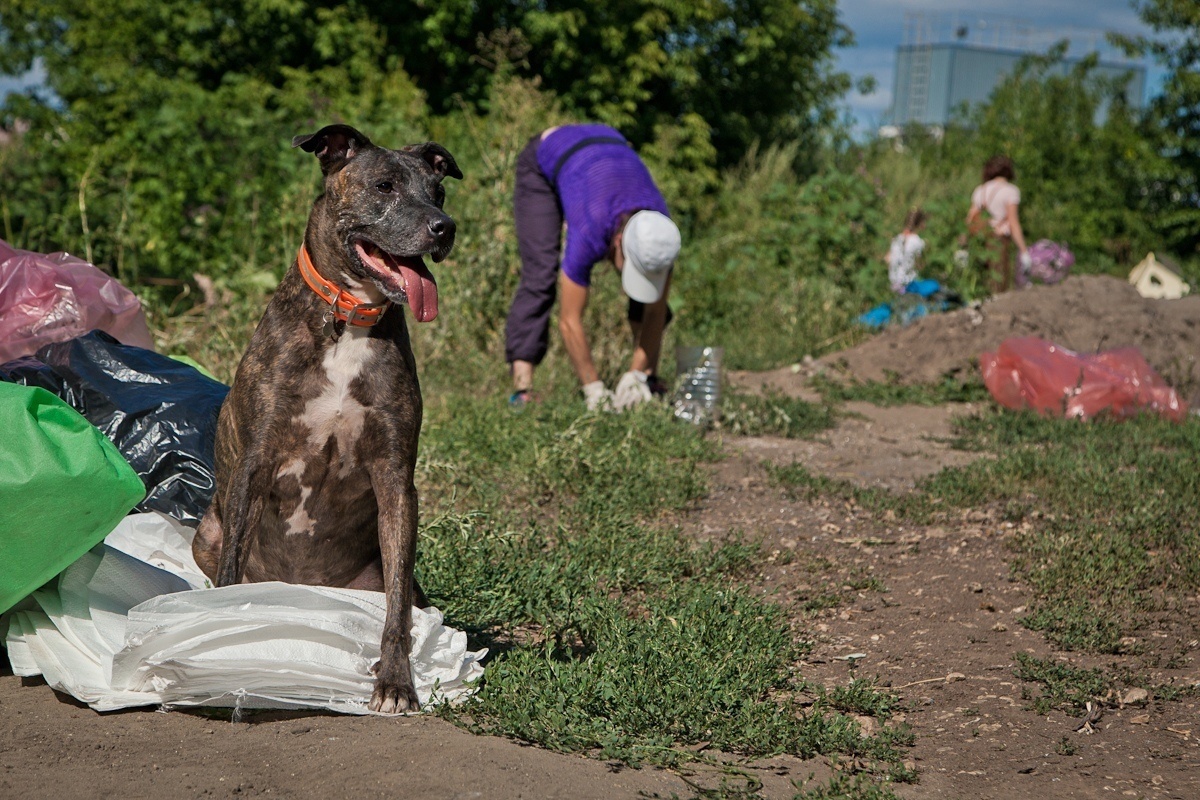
(206, 545)
(241, 518)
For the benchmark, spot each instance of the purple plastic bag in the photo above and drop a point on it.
(1050, 262)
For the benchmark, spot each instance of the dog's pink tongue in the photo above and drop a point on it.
(420, 287)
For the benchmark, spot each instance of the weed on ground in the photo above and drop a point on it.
(842, 786)
(1111, 513)
(1063, 687)
(774, 415)
(916, 507)
(617, 637)
(893, 392)
(1108, 513)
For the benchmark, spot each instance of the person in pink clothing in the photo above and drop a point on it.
(995, 201)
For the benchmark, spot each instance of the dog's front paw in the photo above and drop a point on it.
(394, 694)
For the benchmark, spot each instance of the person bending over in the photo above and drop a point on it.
(589, 177)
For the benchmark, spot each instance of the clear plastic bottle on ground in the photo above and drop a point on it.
(697, 397)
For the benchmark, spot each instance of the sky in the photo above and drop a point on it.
(16, 84)
(879, 28)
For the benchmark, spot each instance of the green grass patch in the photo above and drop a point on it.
(802, 483)
(893, 392)
(1064, 688)
(843, 786)
(546, 537)
(861, 696)
(1070, 689)
(697, 663)
(1108, 513)
(1113, 509)
(773, 414)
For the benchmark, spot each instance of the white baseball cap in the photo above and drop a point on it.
(650, 243)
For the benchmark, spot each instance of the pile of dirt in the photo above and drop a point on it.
(1085, 313)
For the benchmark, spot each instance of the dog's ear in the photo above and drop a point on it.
(333, 145)
(437, 157)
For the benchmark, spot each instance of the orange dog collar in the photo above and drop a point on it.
(345, 306)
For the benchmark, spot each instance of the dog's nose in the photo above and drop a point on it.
(443, 229)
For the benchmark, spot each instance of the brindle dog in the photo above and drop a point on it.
(317, 441)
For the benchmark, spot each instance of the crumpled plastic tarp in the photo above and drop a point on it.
(922, 296)
(1029, 372)
(129, 625)
(161, 414)
(55, 297)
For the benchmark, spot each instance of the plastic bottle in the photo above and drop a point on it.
(697, 395)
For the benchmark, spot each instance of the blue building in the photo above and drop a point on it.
(943, 65)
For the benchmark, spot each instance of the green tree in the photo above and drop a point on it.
(1171, 185)
(756, 70)
(166, 151)
(752, 69)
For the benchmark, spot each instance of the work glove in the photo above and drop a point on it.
(1026, 262)
(597, 396)
(631, 390)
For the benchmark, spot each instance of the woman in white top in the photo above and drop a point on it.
(905, 251)
(999, 198)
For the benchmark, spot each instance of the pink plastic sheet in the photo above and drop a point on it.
(1033, 373)
(55, 297)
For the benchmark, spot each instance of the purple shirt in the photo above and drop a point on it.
(596, 185)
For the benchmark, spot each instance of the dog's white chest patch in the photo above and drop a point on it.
(299, 521)
(335, 413)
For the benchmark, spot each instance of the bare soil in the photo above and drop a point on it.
(1085, 313)
(939, 627)
(53, 748)
(943, 632)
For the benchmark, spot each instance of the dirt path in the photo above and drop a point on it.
(51, 748)
(943, 633)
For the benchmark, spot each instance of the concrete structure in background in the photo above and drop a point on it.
(947, 61)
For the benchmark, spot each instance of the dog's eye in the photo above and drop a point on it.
(385, 187)
(439, 195)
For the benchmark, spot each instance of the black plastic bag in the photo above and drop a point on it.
(160, 413)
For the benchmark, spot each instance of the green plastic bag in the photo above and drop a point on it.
(63, 488)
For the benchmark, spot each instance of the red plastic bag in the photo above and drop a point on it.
(56, 297)
(1033, 373)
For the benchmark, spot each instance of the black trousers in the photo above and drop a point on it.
(539, 223)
